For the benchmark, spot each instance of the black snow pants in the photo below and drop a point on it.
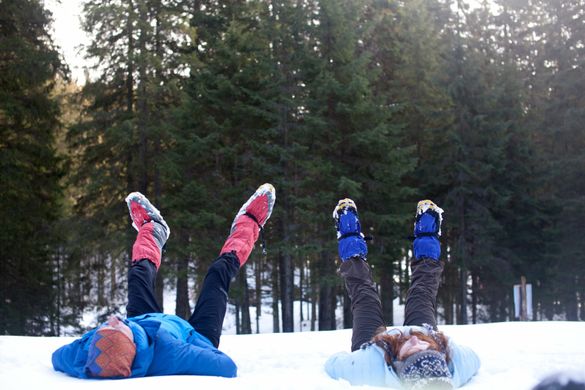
(207, 318)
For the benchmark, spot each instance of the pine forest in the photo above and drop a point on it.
(195, 103)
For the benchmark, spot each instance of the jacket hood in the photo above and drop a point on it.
(144, 336)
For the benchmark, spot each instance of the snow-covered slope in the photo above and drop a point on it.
(514, 356)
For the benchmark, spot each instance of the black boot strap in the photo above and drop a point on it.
(262, 240)
(419, 235)
(367, 238)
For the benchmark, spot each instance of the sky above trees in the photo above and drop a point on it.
(69, 36)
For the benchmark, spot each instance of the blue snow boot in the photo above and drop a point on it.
(350, 239)
(427, 230)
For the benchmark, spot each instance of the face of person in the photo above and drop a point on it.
(411, 346)
(115, 323)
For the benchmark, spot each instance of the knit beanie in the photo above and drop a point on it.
(111, 354)
(424, 370)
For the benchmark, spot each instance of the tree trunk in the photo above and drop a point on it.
(571, 305)
(463, 303)
(130, 178)
(159, 289)
(130, 55)
(258, 302)
(275, 311)
(286, 261)
(238, 322)
(327, 296)
(448, 293)
(113, 278)
(347, 315)
(286, 285)
(58, 284)
(182, 309)
(301, 292)
(246, 327)
(405, 280)
(387, 290)
(581, 302)
(474, 287)
(314, 287)
(101, 301)
(142, 107)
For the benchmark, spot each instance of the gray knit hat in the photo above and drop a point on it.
(424, 370)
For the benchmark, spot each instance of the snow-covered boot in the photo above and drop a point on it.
(153, 231)
(249, 223)
(427, 230)
(351, 242)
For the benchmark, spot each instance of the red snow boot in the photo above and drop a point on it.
(153, 231)
(249, 222)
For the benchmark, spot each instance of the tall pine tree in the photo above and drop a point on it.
(30, 169)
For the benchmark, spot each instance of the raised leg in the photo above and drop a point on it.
(141, 298)
(421, 299)
(146, 256)
(426, 267)
(366, 307)
(207, 318)
(153, 233)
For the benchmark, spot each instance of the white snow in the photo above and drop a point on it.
(514, 355)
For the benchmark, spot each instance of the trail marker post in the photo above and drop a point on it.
(523, 300)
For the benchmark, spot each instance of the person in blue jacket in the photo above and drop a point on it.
(416, 355)
(149, 342)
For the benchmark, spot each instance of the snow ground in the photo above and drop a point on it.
(514, 355)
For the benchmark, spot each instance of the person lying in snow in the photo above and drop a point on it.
(416, 355)
(148, 342)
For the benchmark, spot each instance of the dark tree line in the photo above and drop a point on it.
(197, 102)
(30, 170)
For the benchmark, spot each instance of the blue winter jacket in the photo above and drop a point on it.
(165, 345)
(368, 367)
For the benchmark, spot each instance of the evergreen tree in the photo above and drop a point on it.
(119, 143)
(30, 169)
(472, 150)
(196, 103)
(524, 244)
(290, 54)
(355, 148)
(556, 112)
(406, 47)
(490, 173)
(222, 126)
